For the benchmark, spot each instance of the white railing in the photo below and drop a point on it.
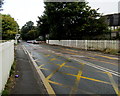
(6, 61)
(88, 44)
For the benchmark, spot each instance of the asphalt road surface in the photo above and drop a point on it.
(73, 71)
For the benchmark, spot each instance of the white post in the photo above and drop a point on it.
(105, 43)
(76, 43)
(85, 44)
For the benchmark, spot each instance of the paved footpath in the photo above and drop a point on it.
(27, 83)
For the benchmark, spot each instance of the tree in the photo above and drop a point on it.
(72, 20)
(1, 3)
(9, 27)
(43, 26)
(29, 31)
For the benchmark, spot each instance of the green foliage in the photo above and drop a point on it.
(43, 26)
(29, 31)
(9, 27)
(71, 20)
(5, 93)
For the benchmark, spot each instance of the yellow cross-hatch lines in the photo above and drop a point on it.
(96, 59)
(44, 68)
(115, 86)
(41, 65)
(101, 60)
(55, 83)
(64, 65)
(53, 59)
(114, 58)
(46, 55)
(95, 80)
(75, 87)
(59, 84)
(92, 79)
(56, 70)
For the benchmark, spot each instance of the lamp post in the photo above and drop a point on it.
(17, 36)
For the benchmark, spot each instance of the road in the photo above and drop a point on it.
(74, 71)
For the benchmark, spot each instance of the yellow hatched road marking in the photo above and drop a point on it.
(106, 57)
(95, 80)
(53, 59)
(46, 55)
(71, 67)
(56, 83)
(94, 58)
(67, 86)
(101, 60)
(41, 65)
(44, 68)
(70, 50)
(95, 54)
(75, 87)
(66, 65)
(86, 78)
(115, 86)
(56, 70)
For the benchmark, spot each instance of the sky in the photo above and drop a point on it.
(26, 10)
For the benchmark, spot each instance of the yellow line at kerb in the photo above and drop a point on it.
(41, 75)
(115, 86)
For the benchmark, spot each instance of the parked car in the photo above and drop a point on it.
(35, 42)
(38, 42)
(30, 41)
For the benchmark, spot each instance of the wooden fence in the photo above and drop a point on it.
(88, 44)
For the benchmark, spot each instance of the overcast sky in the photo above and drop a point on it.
(26, 10)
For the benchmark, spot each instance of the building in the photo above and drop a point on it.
(113, 20)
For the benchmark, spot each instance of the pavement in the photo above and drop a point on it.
(27, 82)
(77, 72)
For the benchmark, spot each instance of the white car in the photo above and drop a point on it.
(30, 41)
(35, 42)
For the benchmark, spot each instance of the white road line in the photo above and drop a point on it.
(99, 67)
(90, 64)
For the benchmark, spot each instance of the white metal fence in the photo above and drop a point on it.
(6, 61)
(88, 44)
